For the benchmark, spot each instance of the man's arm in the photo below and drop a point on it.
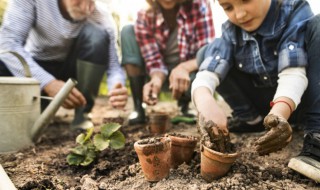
(18, 21)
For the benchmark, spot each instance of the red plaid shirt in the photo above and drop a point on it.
(195, 29)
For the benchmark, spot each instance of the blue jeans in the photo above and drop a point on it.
(92, 45)
(248, 99)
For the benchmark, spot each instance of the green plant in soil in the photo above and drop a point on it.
(89, 145)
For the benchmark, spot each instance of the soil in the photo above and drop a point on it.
(44, 166)
(183, 136)
(219, 142)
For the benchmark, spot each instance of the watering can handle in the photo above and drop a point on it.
(22, 61)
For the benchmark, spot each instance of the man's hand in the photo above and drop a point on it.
(73, 100)
(118, 96)
(179, 81)
(278, 136)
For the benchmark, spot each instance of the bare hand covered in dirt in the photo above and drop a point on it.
(213, 137)
(118, 96)
(179, 81)
(75, 98)
(278, 136)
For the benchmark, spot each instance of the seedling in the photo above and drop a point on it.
(89, 147)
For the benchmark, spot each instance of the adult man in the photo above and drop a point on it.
(62, 39)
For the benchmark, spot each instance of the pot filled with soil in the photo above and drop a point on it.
(217, 151)
(154, 157)
(159, 122)
(182, 148)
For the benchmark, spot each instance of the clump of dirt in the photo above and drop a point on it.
(214, 138)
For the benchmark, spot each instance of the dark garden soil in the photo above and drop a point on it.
(44, 165)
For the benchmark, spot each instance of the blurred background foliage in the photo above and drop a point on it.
(3, 5)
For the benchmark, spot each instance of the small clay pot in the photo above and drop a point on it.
(154, 157)
(182, 148)
(158, 123)
(215, 164)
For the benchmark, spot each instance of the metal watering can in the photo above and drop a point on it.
(21, 123)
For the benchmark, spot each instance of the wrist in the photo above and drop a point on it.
(189, 65)
(158, 78)
(272, 103)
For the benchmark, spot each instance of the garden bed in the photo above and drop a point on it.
(44, 165)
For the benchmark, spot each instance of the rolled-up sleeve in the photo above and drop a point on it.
(291, 47)
(218, 57)
(150, 50)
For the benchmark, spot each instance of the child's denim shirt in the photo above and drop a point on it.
(277, 44)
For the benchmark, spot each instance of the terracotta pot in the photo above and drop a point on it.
(215, 164)
(154, 158)
(158, 123)
(182, 149)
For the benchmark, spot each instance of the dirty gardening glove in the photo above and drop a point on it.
(278, 136)
(213, 137)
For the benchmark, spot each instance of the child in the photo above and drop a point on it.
(164, 42)
(268, 52)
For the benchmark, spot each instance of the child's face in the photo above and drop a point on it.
(79, 9)
(247, 14)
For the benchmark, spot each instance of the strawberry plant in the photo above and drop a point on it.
(90, 146)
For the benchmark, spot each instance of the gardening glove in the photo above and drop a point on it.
(212, 136)
(278, 136)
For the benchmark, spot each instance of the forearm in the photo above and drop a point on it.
(291, 85)
(190, 65)
(158, 77)
(14, 32)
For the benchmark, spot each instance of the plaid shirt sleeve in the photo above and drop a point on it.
(145, 36)
(204, 24)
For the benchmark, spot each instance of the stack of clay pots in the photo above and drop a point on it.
(157, 155)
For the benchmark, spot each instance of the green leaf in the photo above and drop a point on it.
(75, 159)
(90, 157)
(100, 142)
(117, 140)
(80, 139)
(83, 138)
(89, 133)
(80, 150)
(108, 129)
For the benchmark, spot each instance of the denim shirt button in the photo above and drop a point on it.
(265, 78)
(275, 52)
(217, 57)
(291, 47)
(240, 65)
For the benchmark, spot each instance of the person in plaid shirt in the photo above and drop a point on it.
(163, 44)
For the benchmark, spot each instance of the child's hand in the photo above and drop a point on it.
(278, 136)
(212, 136)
